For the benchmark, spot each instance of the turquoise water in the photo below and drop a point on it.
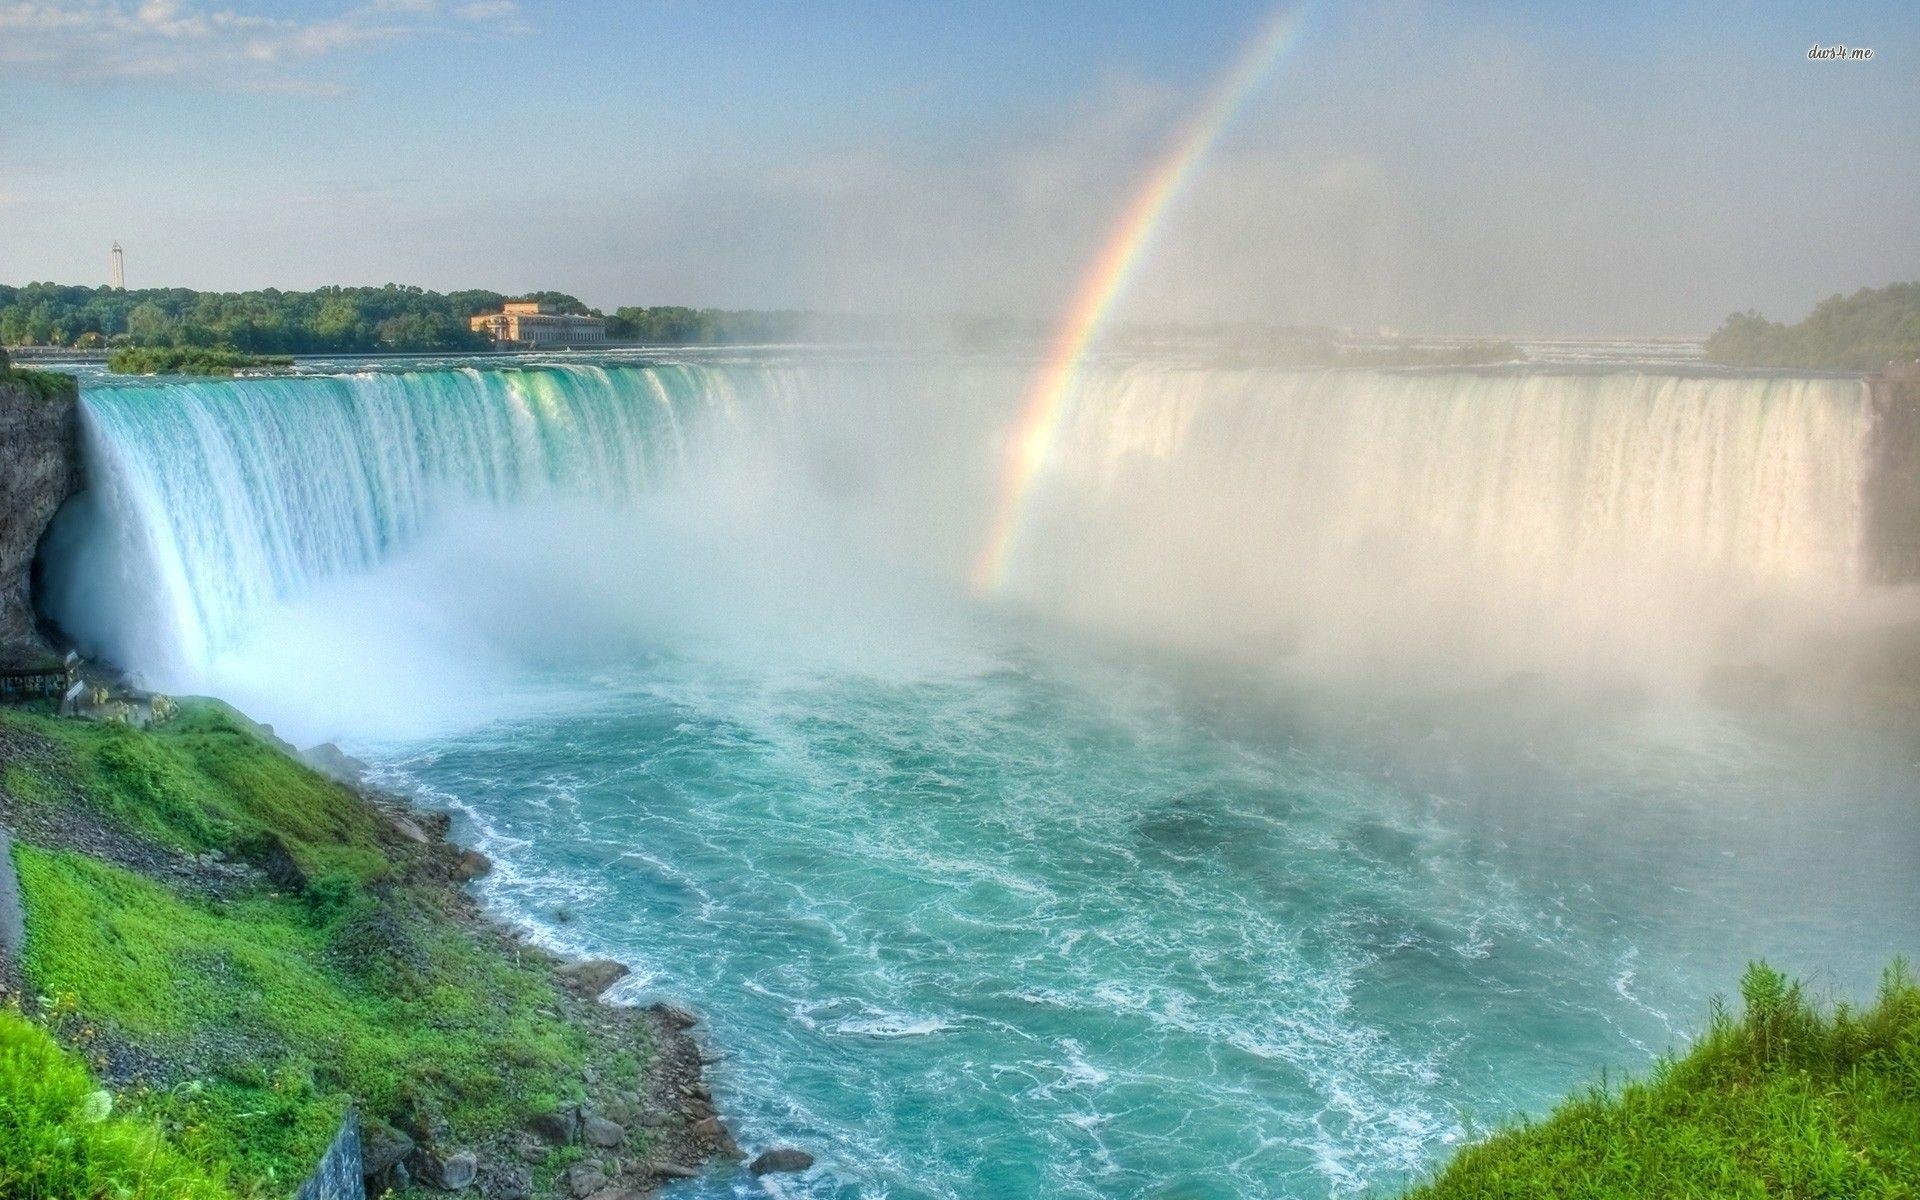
(1334, 780)
(1051, 925)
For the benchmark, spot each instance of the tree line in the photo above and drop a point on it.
(334, 320)
(1861, 332)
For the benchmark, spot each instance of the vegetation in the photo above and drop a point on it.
(1784, 1101)
(187, 360)
(60, 1136)
(708, 326)
(262, 1010)
(1861, 332)
(45, 385)
(332, 320)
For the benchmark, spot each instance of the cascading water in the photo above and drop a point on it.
(977, 899)
(219, 499)
(1521, 521)
(1317, 515)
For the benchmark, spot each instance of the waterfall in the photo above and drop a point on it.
(1341, 519)
(1510, 516)
(210, 500)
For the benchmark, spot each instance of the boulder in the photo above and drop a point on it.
(450, 1172)
(670, 1170)
(382, 1146)
(593, 976)
(331, 761)
(673, 1016)
(714, 1131)
(598, 1131)
(585, 1178)
(408, 830)
(471, 865)
(560, 1128)
(781, 1159)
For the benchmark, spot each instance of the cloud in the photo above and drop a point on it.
(173, 40)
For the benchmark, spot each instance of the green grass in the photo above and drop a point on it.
(204, 781)
(277, 1007)
(1784, 1101)
(59, 1139)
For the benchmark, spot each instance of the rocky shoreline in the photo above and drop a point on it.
(641, 1114)
(671, 1105)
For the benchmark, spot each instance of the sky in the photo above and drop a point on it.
(1481, 168)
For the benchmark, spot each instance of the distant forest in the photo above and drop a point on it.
(1861, 332)
(333, 320)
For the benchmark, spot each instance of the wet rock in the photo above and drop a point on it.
(781, 1159)
(471, 865)
(593, 976)
(410, 831)
(559, 1128)
(674, 1017)
(715, 1132)
(584, 1179)
(598, 1131)
(670, 1170)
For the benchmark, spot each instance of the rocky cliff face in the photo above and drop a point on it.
(1893, 485)
(39, 469)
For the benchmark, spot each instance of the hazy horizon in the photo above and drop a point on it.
(1510, 170)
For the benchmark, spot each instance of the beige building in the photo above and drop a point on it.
(530, 324)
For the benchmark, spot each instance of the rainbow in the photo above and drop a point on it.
(1046, 398)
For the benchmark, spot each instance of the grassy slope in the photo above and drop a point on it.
(275, 1007)
(1784, 1101)
(59, 1137)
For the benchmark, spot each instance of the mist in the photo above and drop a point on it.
(1381, 534)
